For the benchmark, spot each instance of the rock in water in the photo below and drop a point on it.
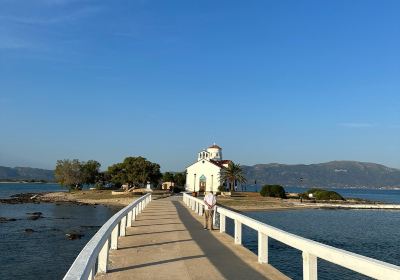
(35, 215)
(29, 230)
(74, 235)
(5, 220)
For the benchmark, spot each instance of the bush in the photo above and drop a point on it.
(321, 194)
(222, 188)
(273, 191)
(177, 189)
(99, 186)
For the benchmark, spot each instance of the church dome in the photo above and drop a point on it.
(215, 152)
(215, 146)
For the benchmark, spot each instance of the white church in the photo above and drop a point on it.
(205, 174)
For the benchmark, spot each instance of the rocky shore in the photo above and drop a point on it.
(86, 197)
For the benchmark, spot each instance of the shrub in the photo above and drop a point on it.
(321, 194)
(177, 189)
(99, 186)
(222, 188)
(273, 191)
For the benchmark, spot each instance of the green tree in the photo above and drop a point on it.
(180, 179)
(233, 173)
(90, 172)
(74, 174)
(69, 173)
(321, 194)
(135, 171)
(273, 191)
(168, 177)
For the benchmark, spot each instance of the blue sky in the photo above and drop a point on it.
(269, 81)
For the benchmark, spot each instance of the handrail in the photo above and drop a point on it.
(84, 266)
(311, 249)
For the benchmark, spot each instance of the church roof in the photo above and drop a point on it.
(220, 163)
(215, 146)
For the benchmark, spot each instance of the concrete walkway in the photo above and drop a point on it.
(167, 241)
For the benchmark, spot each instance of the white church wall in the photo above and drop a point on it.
(206, 168)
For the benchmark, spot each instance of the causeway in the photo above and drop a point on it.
(167, 241)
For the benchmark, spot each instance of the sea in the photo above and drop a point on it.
(47, 253)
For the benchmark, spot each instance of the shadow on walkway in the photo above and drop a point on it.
(222, 258)
(155, 244)
(156, 263)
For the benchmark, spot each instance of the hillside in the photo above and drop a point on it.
(340, 174)
(25, 173)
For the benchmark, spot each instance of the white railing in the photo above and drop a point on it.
(312, 250)
(97, 249)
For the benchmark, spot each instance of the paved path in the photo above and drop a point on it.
(167, 241)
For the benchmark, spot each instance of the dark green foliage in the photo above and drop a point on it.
(273, 191)
(135, 171)
(90, 172)
(177, 189)
(321, 194)
(74, 174)
(233, 173)
(180, 179)
(168, 177)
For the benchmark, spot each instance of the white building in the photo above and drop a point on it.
(205, 174)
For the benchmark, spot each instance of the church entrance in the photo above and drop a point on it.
(202, 184)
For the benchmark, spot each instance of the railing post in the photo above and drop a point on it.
(91, 274)
(262, 247)
(238, 232)
(129, 221)
(114, 238)
(222, 220)
(201, 210)
(214, 216)
(133, 214)
(310, 271)
(103, 258)
(122, 230)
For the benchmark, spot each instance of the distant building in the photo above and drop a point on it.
(167, 185)
(205, 174)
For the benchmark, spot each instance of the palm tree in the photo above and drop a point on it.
(233, 173)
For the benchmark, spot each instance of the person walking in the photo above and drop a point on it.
(210, 200)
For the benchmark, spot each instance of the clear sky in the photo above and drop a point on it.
(269, 81)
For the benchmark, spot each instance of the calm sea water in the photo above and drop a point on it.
(45, 253)
(9, 189)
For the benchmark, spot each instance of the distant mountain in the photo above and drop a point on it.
(339, 174)
(25, 173)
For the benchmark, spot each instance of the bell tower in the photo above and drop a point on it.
(215, 152)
